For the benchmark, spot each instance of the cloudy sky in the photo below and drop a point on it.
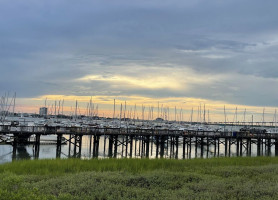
(216, 52)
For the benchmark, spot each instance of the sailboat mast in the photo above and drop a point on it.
(97, 110)
(204, 113)
(200, 115)
(208, 117)
(275, 120)
(134, 116)
(143, 110)
(180, 115)
(125, 111)
(76, 110)
(55, 108)
(191, 117)
(168, 114)
(175, 114)
(45, 102)
(63, 107)
(244, 116)
(121, 113)
(114, 110)
(236, 117)
(224, 118)
(157, 109)
(263, 118)
(59, 107)
(14, 103)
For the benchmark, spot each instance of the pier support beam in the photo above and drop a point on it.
(157, 146)
(218, 146)
(214, 140)
(226, 146)
(115, 145)
(177, 147)
(259, 147)
(237, 146)
(77, 144)
(240, 147)
(276, 147)
(69, 154)
(37, 146)
(126, 146)
(196, 146)
(90, 146)
(110, 146)
(230, 143)
(130, 146)
(208, 142)
(183, 147)
(143, 146)
(162, 143)
(190, 144)
(15, 143)
(59, 144)
(269, 147)
(147, 145)
(96, 146)
(202, 146)
(248, 147)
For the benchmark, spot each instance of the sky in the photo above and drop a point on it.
(180, 53)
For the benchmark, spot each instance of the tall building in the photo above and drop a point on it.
(43, 111)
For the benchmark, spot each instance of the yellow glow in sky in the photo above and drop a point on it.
(105, 106)
(145, 82)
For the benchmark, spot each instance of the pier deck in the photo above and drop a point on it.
(148, 138)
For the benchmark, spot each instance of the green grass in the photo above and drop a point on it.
(216, 178)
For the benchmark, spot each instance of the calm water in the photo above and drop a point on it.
(49, 151)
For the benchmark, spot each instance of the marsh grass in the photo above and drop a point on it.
(62, 166)
(217, 178)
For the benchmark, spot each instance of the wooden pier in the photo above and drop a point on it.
(145, 141)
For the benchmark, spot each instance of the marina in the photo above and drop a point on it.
(129, 134)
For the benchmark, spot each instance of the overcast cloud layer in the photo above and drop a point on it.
(216, 50)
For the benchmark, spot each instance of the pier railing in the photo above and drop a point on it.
(54, 130)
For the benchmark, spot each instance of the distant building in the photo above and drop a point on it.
(43, 111)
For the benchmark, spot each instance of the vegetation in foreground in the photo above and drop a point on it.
(216, 178)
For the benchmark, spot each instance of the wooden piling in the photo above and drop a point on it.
(162, 143)
(240, 147)
(202, 146)
(190, 143)
(276, 147)
(177, 147)
(115, 145)
(258, 146)
(147, 146)
(126, 145)
(110, 146)
(226, 146)
(58, 146)
(183, 147)
(37, 146)
(157, 146)
(130, 146)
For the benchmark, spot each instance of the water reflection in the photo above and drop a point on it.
(22, 153)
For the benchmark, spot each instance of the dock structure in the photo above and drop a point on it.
(143, 142)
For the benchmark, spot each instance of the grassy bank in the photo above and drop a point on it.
(217, 178)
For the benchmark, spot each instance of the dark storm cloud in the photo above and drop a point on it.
(46, 45)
